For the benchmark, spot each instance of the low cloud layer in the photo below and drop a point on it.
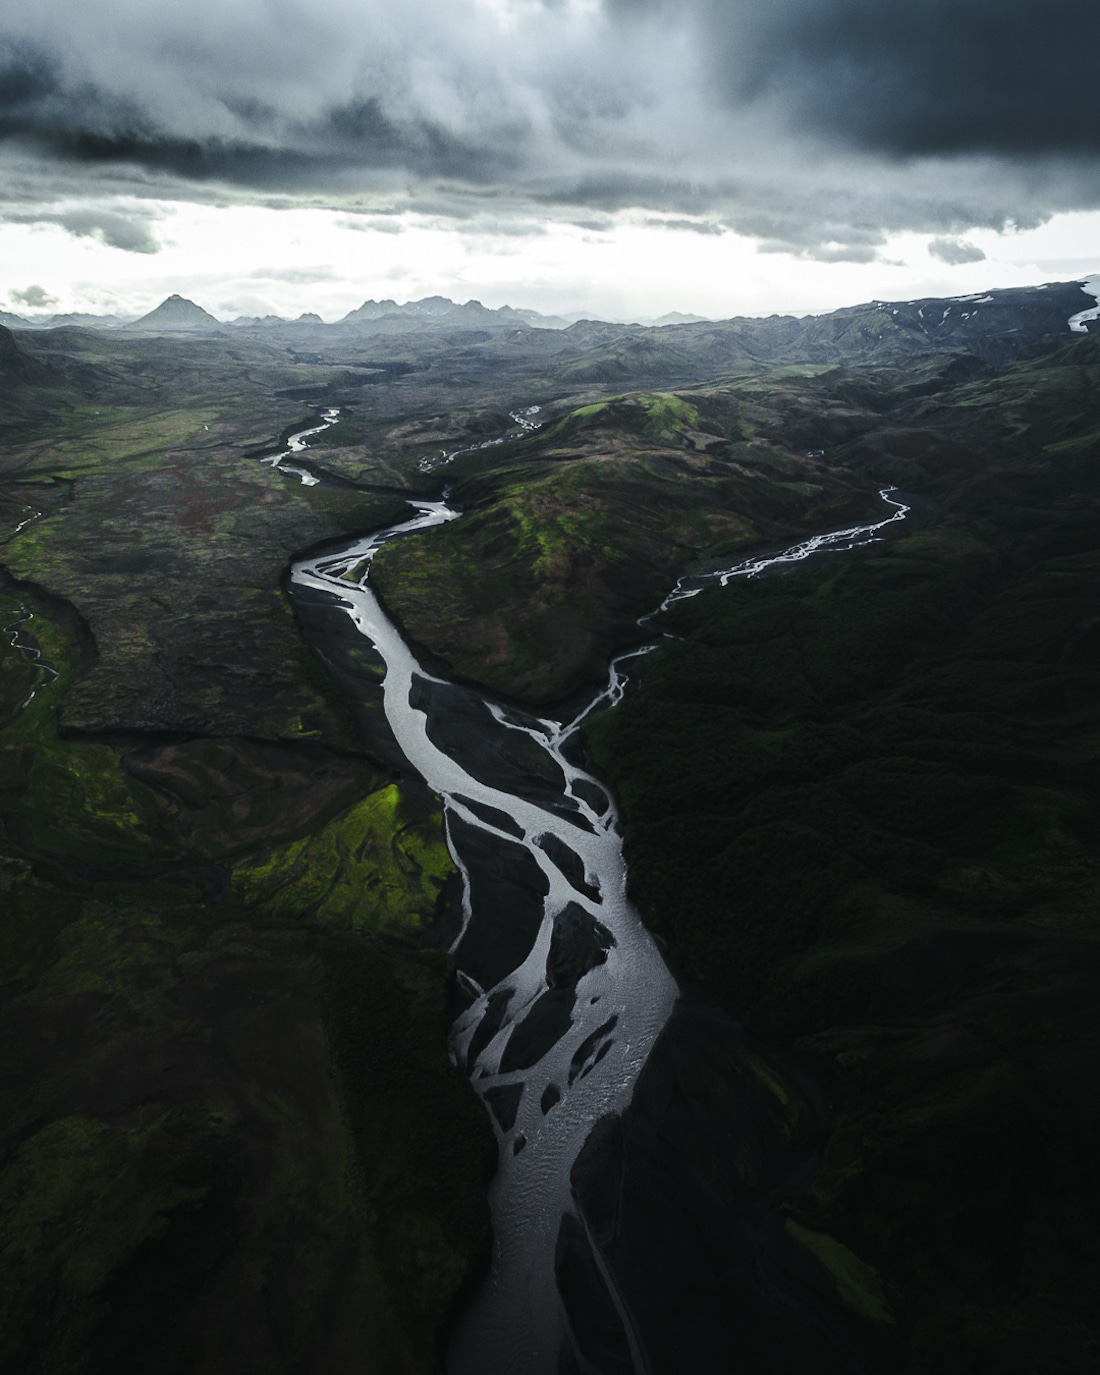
(955, 251)
(34, 296)
(130, 233)
(817, 126)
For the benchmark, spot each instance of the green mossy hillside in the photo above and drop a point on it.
(560, 551)
(229, 1121)
(374, 868)
(861, 808)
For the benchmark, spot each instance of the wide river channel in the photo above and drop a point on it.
(566, 991)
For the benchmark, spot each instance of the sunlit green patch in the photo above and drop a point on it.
(375, 868)
(667, 414)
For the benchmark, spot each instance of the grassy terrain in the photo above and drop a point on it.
(230, 1129)
(862, 809)
(170, 542)
(567, 542)
(204, 1145)
(859, 805)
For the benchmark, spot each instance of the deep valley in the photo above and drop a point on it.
(858, 800)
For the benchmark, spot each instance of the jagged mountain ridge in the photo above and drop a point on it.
(970, 332)
(997, 324)
(432, 309)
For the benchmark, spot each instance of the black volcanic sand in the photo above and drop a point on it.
(493, 816)
(461, 725)
(503, 1101)
(506, 892)
(490, 1024)
(578, 944)
(711, 1270)
(569, 862)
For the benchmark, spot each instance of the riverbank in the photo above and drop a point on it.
(859, 811)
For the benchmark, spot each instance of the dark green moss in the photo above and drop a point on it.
(180, 1174)
(857, 810)
(423, 1146)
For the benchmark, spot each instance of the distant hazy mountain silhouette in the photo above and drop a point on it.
(176, 313)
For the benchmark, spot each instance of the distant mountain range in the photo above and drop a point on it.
(676, 317)
(994, 324)
(178, 314)
(440, 309)
(79, 318)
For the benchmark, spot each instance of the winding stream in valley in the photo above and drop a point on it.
(295, 443)
(566, 991)
(44, 672)
(556, 1032)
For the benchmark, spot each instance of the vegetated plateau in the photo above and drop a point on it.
(860, 806)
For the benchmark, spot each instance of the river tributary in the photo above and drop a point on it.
(566, 991)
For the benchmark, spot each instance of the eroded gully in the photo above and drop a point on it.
(566, 991)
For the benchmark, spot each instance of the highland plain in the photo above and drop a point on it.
(859, 802)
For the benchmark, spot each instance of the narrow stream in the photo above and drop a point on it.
(566, 990)
(45, 673)
(296, 443)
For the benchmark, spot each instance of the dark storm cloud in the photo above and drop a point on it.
(787, 231)
(81, 123)
(611, 190)
(817, 126)
(28, 81)
(1008, 77)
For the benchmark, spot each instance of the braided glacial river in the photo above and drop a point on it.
(566, 990)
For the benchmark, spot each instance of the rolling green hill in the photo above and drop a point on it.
(862, 810)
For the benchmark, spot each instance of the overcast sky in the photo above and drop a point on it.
(621, 157)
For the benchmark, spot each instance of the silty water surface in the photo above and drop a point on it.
(296, 443)
(555, 1040)
(567, 1029)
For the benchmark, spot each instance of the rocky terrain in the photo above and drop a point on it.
(859, 801)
